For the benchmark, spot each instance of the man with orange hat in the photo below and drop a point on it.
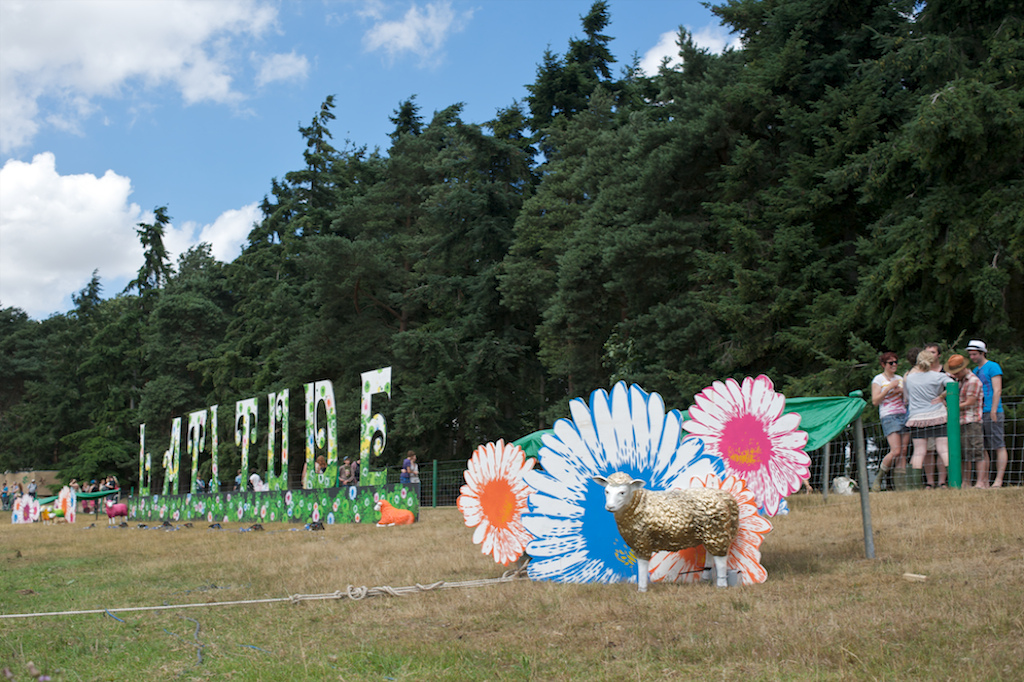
(971, 433)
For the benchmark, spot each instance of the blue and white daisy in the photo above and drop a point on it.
(575, 539)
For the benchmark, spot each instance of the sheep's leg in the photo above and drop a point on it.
(643, 576)
(721, 570)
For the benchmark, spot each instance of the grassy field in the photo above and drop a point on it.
(826, 612)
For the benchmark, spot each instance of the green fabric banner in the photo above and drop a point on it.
(80, 496)
(822, 418)
(531, 444)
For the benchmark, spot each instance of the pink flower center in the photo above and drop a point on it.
(744, 443)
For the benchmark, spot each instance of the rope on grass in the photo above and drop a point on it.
(352, 592)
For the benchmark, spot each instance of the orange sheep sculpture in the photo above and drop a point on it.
(389, 516)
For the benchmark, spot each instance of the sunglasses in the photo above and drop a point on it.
(892, 362)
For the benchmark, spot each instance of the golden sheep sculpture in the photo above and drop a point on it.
(671, 521)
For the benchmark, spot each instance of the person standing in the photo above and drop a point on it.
(407, 464)
(414, 470)
(971, 432)
(76, 489)
(991, 375)
(887, 394)
(317, 478)
(346, 476)
(932, 465)
(924, 392)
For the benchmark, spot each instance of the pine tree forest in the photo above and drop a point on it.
(849, 181)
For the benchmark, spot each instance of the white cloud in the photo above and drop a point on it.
(666, 47)
(281, 67)
(421, 32)
(57, 57)
(55, 230)
(225, 235)
(714, 38)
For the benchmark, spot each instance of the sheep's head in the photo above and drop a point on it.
(618, 490)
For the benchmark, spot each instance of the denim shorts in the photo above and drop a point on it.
(894, 423)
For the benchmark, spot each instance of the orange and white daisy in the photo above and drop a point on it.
(744, 554)
(494, 498)
(746, 427)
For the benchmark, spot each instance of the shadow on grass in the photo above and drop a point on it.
(783, 564)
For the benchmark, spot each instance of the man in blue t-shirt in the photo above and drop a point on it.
(991, 375)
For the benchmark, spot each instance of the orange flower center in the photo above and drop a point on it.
(744, 443)
(498, 502)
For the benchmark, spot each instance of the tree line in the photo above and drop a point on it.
(848, 181)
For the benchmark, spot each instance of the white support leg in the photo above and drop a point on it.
(721, 571)
(643, 576)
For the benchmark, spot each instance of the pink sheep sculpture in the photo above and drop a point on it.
(116, 511)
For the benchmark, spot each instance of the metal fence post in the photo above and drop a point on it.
(433, 487)
(824, 470)
(862, 476)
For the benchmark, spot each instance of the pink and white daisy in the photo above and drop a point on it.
(744, 554)
(494, 499)
(746, 427)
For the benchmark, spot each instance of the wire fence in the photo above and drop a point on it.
(441, 481)
(843, 453)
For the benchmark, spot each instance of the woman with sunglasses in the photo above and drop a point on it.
(887, 395)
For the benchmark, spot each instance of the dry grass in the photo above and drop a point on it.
(826, 612)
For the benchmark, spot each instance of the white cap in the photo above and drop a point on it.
(975, 344)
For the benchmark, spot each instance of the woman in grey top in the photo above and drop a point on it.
(924, 391)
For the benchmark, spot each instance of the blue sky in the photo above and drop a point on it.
(109, 109)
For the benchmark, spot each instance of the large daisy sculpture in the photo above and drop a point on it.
(574, 539)
(687, 565)
(494, 498)
(745, 426)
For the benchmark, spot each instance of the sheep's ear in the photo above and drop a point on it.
(600, 480)
(636, 484)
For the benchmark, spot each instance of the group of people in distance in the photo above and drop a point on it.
(914, 417)
(92, 505)
(348, 471)
(9, 494)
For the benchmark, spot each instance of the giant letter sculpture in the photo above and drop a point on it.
(246, 412)
(277, 477)
(375, 381)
